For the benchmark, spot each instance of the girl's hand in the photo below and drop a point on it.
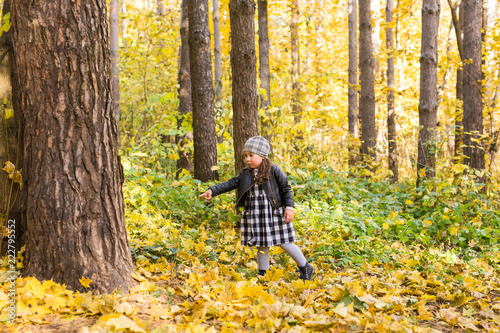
(288, 215)
(207, 195)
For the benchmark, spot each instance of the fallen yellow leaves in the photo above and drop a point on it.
(400, 295)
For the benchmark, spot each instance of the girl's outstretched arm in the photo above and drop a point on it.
(207, 195)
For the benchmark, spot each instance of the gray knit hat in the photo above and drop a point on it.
(257, 145)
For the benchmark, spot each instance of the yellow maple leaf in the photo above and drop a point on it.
(409, 202)
(341, 310)
(55, 303)
(385, 226)
(9, 113)
(85, 282)
(453, 231)
(36, 288)
(120, 322)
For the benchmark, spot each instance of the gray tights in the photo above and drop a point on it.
(290, 248)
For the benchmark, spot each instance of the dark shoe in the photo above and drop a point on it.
(262, 272)
(306, 272)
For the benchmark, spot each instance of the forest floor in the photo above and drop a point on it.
(388, 258)
(420, 290)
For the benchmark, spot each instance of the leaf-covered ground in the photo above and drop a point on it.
(388, 259)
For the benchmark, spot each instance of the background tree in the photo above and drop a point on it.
(294, 36)
(391, 112)
(367, 98)
(375, 8)
(318, 15)
(473, 108)
(353, 82)
(427, 108)
(205, 150)
(72, 176)
(114, 28)
(264, 72)
(457, 19)
(123, 25)
(217, 52)
(185, 104)
(244, 75)
(162, 9)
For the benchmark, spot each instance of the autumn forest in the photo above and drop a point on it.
(118, 115)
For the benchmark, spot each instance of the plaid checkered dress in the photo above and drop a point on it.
(262, 227)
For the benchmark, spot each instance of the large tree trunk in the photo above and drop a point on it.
(10, 142)
(184, 77)
(264, 72)
(391, 113)
(473, 108)
(217, 52)
(114, 28)
(72, 174)
(427, 108)
(294, 32)
(352, 115)
(367, 99)
(244, 76)
(205, 149)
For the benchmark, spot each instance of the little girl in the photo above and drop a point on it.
(266, 196)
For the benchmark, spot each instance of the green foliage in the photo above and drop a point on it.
(344, 219)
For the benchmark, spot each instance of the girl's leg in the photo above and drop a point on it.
(294, 252)
(263, 258)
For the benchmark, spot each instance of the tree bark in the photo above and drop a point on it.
(294, 32)
(367, 99)
(10, 142)
(427, 108)
(205, 149)
(217, 52)
(72, 174)
(264, 71)
(473, 108)
(114, 28)
(353, 84)
(184, 77)
(391, 113)
(244, 76)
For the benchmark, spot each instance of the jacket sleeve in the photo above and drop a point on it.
(226, 186)
(284, 187)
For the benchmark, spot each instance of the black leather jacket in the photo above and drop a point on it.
(281, 195)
